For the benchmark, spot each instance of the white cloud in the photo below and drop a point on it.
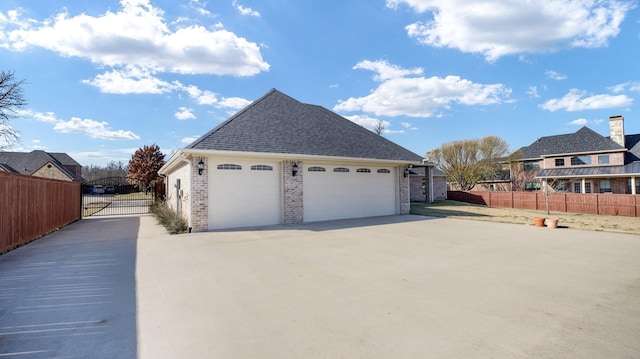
(584, 122)
(200, 8)
(495, 28)
(533, 92)
(576, 100)
(94, 129)
(247, 11)
(385, 71)
(398, 95)
(367, 122)
(555, 76)
(48, 117)
(185, 113)
(235, 103)
(188, 140)
(408, 125)
(132, 80)
(206, 97)
(629, 85)
(136, 35)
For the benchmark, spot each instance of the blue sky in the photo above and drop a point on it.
(104, 78)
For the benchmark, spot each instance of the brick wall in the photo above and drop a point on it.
(199, 195)
(293, 195)
(51, 171)
(405, 202)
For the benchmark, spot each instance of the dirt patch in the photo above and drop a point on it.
(460, 210)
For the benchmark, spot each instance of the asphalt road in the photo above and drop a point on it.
(72, 293)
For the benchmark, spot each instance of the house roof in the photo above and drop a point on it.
(29, 162)
(599, 171)
(277, 123)
(632, 142)
(583, 140)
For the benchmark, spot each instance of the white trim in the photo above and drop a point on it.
(186, 153)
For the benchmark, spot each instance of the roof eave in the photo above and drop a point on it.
(187, 153)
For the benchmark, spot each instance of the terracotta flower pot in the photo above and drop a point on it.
(552, 223)
(538, 221)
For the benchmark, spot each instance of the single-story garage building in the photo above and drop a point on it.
(280, 161)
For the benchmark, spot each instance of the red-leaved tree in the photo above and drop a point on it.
(144, 166)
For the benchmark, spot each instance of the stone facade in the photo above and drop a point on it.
(293, 206)
(51, 171)
(199, 195)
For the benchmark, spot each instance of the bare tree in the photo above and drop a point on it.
(11, 101)
(467, 162)
(112, 169)
(144, 166)
(379, 129)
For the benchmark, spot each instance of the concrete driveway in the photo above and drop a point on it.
(390, 287)
(394, 287)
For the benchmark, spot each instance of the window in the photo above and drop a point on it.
(605, 186)
(384, 170)
(341, 169)
(363, 170)
(559, 162)
(577, 187)
(532, 186)
(261, 168)
(531, 165)
(603, 160)
(587, 187)
(229, 166)
(316, 169)
(580, 160)
(492, 187)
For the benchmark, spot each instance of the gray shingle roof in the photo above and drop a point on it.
(632, 142)
(583, 140)
(277, 123)
(29, 162)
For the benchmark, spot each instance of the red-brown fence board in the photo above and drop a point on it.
(524, 200)
(501, 199)
(587, 203)
(31, 207)
(617, 205)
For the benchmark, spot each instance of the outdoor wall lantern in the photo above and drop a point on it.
(294, 169)
(200, 167)
(406, 172)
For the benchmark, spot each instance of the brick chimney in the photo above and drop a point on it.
(616, 128)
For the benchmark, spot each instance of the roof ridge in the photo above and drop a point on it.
(233, 117)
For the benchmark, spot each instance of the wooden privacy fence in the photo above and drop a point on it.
(31, 207)
(588, 203)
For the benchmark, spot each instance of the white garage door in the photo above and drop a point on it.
(335, 192)
(243, 194)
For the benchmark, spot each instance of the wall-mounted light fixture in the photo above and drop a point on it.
(406, 172)
(200, 167)
(294, 169)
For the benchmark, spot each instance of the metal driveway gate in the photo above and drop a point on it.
(115, 196)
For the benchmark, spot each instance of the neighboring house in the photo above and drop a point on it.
(39, 163)
(501, 183)
(280, 161)
(581, 162)
(423, 190)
